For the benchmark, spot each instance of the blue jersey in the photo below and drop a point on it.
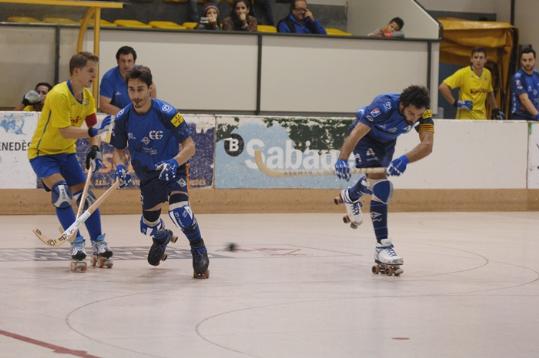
(524, 83)
(113, 86)
(150, 137)
(382, 116)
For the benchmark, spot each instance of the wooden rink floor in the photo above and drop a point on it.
(299, 285)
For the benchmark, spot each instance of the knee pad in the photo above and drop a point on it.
(182, 215)
(151, 223)
(61, 195)
(382, 190)
(90, 198)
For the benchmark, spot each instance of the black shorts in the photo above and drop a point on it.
(154, 191)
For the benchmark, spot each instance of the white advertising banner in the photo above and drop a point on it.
(16, 130)
(533, 156)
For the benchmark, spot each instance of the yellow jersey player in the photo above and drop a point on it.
(52, 152)
(475, 87)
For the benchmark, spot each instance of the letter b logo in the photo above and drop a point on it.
(234, 145)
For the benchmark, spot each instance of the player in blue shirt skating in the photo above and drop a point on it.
(372, 139)
(160, 145)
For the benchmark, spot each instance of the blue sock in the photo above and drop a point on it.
(66, 216)
(354, 192)
(93, 224)
(379, 219)
(193, 233)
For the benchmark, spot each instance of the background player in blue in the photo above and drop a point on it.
(160, 145)
(525, 88)
(113, 94)
(372, 139)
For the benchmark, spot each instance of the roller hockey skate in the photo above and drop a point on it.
(353, 215)
(157, 250)
(200, 261)
(78, 256)
(386, 259)
(101, 254)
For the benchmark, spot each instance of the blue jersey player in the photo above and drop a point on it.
(160, 145)
(525, 88)
(372, 139)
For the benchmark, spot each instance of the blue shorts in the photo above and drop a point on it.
(370, 153)
(154, 191)
(66, 165)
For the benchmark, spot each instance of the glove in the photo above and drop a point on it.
(123, 176)
(398, 166)
(168, 170)
(342, 170)
(467, 105)
(94, 158)
(103, 127)
(497, 114)
(31, 97)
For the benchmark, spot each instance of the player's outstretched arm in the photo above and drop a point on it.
(424, 148)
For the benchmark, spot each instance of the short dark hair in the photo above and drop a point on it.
(293, 4)
(398, 21)
(527, 49)
(142, 73)
(80, 60)
(418, 96)
(126, 50)
(46, 84)
(479, 49)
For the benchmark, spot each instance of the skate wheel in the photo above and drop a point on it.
(353, 225)
(173, 239)
(78, 266)
(337, 200)
(375, 270)
(346, 219)
(201, 276)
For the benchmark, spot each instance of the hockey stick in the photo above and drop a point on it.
(72, 229)
(304, 172)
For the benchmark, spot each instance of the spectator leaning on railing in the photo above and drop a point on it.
(393, 29)
(300, 20)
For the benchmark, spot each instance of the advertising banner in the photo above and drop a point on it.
(533, 156)
(285, 144)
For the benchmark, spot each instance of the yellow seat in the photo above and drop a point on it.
(24, 19)
(134, 24)
(266, 28)
(189, 25)
(169, 25)
(332, 31)
(59, 20)
(102, 23)
(175, 1)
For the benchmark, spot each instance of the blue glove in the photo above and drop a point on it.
(94, 158)
(168, 170)
(398, 166)
(103, 127)
(342, 170)
(123, 175)
(497, 114)
(467, 105)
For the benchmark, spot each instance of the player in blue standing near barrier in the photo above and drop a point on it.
(160, 145)
(372, 138)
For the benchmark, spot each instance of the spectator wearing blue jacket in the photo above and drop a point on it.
(300, 20)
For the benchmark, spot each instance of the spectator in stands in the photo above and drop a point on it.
(240, 18)
(300, 20)
(525, 88)
(475, 87)
(113, 92)
(210, 19)
(263, 12)
(34, 99)
(393, 29)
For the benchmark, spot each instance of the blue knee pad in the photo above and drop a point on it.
(61, 195)
(382, 191)
(90, 198)
(181, 214)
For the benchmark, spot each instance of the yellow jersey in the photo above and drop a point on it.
(472, 88)
(61, 110)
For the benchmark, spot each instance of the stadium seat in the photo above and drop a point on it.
(189, 25)
(134, 24)
(332, 31)
(24, 20)
(266, 28)
(168, 25)
(59, 20)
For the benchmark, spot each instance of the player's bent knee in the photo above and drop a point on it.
(90, 198)
(382, 190)
(150, 222)
(61, 196)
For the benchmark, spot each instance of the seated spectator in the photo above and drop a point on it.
(525, 88)
(393, 29)
(210, 19)
(240, 18)
(34, 99)
(300, 20)
(263, 12)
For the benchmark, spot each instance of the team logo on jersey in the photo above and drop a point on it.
(387, 105)
(155, 135)
(166, 108)
(427, 114)
(375, 112)
(145, 140)
(120, 113)
(182, 182)
(177, 120)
